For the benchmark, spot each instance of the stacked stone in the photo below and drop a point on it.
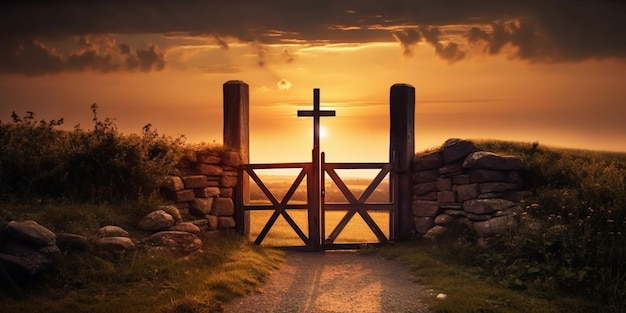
(458, 184)
(204, 189)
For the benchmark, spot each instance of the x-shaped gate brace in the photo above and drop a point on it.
(356, 205)
(280, 207)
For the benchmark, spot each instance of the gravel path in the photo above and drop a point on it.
(337, 281)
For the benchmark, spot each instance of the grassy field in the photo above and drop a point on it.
(569, 255)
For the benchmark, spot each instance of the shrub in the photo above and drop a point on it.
(98, 165)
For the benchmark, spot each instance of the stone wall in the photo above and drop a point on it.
(203, 187)
(457, 185)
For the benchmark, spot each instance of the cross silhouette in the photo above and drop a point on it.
(316, 113)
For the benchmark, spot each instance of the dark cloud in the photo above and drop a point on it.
(408, 39)
(32, 57)
(146, 60)
(549, 31)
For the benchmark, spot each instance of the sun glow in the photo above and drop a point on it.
(323, 132)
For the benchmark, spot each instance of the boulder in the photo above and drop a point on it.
(209, 170)
(173, 211)
(186, 227)
(183, 195)
(446, 197)
(423, 224)
(115, 246)
(423, 188)
(486, 206)
(207, 192)
(428, 161)
(178, 242)
(228, 181)
(455, 149)
(492, 161)
(155, 221)
(72, 242)
(36, 258)
(201, 206)
(196, 181)
(425, 176)
(30, 232)
(494, 226)
(173, 183)
(425, 208)
(444, 184)
(443, 219)
(223, 207)
(112, 231)
(436, 232)
(226, 222)
(467, 192)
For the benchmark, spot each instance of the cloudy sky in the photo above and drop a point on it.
(547, 71)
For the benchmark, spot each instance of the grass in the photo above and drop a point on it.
(139, 282)
(468, 289)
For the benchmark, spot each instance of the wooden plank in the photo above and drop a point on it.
(267, 207)
(341, 225)
(355, 166)
(368, 206)
(375, 182)
(263, 166)
(372, 225)
(266, 228)
(262, 186)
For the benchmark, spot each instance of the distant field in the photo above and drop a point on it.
(282, 234)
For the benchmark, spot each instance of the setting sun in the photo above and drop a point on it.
(323, 132)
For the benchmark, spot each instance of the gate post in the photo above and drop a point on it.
(237, 136)
(402, 151)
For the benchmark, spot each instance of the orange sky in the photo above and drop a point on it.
(526, 72)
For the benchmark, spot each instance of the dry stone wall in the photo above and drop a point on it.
(204, 188)
(459, 185)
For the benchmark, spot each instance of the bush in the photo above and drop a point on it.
(98, 165)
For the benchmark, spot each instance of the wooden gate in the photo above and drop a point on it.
(316, 238)
(316, 205)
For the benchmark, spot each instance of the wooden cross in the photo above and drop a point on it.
(316, 113)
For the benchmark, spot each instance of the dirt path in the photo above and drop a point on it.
(338, 281)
